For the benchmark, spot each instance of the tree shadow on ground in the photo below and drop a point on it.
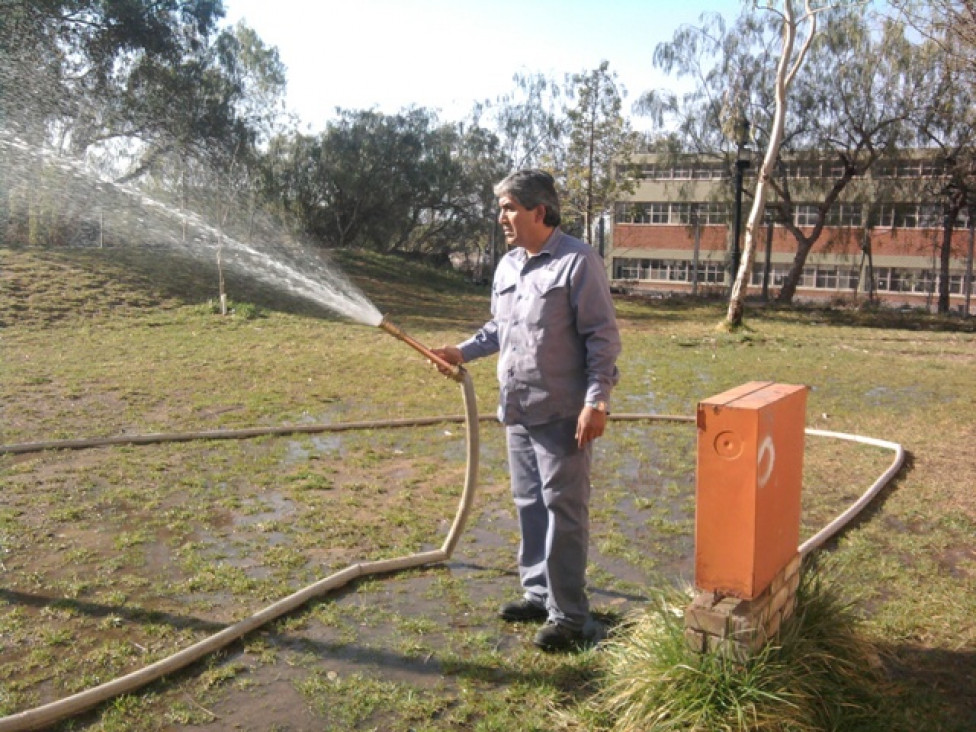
(937, 677)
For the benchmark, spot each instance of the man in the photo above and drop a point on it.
(554, 327)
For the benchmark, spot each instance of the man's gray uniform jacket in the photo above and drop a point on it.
(554, 325)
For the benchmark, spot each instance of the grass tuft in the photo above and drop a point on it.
(821, 673)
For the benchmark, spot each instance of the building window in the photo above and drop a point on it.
(844, 214)
(633, 213)
(625, 269)
(712, 273)
(834, 170)
(806, 170)
(894, 280)
(930, 216)
(805, 215)
(680, 213)
(777, 275)
(886, 215)
(910, 216)
(683, 171)
(712, 214)
(826, 278)
(906, 168)
(679, 271)
(669, 270)
(924, 282)
(848, 278)
(956, 284)
(932, 168)
(712, 171)
(671, 214)
(658, 213)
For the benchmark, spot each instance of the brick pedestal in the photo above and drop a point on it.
(739, 628)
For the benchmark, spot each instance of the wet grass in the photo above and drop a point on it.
(116, 557)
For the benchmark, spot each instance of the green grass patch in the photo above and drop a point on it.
(116, 557)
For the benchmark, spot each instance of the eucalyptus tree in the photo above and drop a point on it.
(115, 82)
(456, 208)
(847, 106)
(527, 121)
(791, 57)
(599, 144)
(946, 127)
(946, 121)
(949, 24)
(32, 76)
(854, 102)
(68, 66)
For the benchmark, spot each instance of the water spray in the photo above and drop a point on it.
(448, 369)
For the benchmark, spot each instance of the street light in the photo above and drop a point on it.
(741, 163)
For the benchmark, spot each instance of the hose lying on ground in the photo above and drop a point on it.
(73, 705)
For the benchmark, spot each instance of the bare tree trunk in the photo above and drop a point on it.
(785, 73)
(969, 262)
(948, 223)
(589, 179)
(220, 274)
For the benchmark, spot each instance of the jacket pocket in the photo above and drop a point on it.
(549, 304)
(503, 294)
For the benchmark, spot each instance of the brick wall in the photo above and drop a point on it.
(739, 628)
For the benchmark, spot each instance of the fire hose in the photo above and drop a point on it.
(48, 714)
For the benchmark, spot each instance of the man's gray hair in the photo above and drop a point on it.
(532, 188)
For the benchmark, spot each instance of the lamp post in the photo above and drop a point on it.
(741, 163)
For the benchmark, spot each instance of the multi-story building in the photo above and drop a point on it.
(882, 239)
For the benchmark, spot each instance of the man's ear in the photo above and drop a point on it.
(539, 213)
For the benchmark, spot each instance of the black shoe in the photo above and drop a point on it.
(555, 637)
(522, 611)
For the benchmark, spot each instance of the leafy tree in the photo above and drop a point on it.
(854, 104)
(849, 105)
(949, 24)
(790, 62)
(946, 118)
(399, 182)
(598, 144)
(947, 125)
(67, 65)
(527, 121)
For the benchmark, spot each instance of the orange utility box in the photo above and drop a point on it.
(750, 471)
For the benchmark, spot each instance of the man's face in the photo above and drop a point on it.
(519, 224)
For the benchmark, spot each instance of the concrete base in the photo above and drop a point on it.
(740, 628)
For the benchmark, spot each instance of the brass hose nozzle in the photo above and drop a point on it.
(453, 370)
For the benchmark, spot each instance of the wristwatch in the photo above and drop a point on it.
(598, 406)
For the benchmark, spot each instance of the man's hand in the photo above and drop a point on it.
(451, 354)
(590, 425)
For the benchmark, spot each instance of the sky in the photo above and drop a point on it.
(448, 54)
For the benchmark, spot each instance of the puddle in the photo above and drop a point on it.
(299, 451)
